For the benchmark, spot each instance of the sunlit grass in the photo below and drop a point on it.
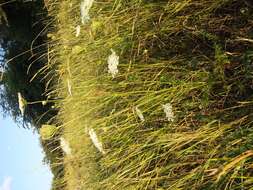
(181, 65)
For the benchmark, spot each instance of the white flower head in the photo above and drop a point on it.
(95, 141)
(139, 114)
(21, 103)
(168, 111)
(85, 7)
(69, 87)
(65, 146)
(44, 102)
(78, 30)
(113, 62)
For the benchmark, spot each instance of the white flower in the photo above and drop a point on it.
(69, 87)
(65, 146)
(95, 141)
(85, 7)
(113, 62)
(44, 102)
(139, 114)
(21, 103)
(78, 30)
(168, 111)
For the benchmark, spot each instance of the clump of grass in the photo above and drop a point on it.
(189, 54)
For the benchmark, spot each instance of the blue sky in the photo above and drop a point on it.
(21, 166)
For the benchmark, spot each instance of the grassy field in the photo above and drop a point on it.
(176, 115)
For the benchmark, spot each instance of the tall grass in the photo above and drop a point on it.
(194, 55)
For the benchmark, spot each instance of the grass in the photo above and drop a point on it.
(195, 55)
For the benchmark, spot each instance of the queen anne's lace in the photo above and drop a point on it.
(95, 141)
(139, 114)
(113, 62)
(85, 7)
(65, 146)
(168, 111)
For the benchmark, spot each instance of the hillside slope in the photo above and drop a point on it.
(154, 94)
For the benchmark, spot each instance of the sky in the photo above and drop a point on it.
(21, 156)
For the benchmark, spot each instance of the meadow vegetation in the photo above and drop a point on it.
(189, 58)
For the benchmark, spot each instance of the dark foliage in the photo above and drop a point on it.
(24, 43)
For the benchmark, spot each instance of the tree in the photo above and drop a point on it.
(22, 57)
(3, 16)
(21, 62)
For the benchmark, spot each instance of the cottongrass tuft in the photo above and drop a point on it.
(78, 30)
(95, 141)
(21, 104)
(85, 7)
(139, 114)
(169, 112)
(65, 146)
(113, 62)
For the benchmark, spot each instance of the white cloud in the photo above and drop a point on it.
(6, 185)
